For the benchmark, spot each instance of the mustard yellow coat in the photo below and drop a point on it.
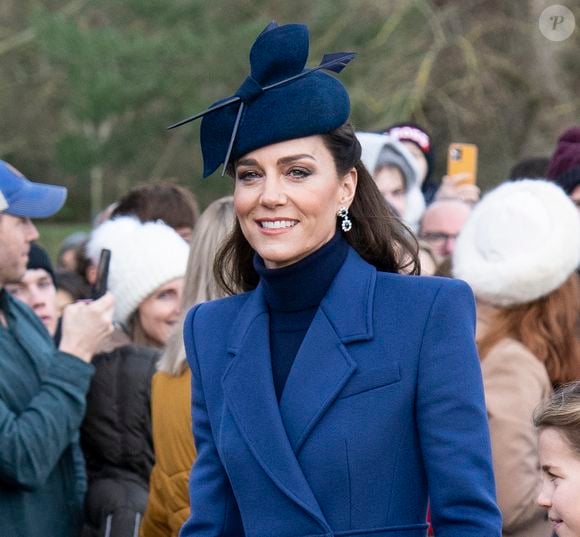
(168, 504)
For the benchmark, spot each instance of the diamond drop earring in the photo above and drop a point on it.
(346, 223)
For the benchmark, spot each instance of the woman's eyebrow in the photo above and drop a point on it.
(292, 158)
(282, 160)
(246, 162)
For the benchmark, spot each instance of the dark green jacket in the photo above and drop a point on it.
(42, 403)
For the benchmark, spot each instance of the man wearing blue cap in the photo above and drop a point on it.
(42, 389)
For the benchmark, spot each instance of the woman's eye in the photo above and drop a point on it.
(298, 172)
(166, 295)
(247, 175)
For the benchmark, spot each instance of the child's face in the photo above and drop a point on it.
(560, 493)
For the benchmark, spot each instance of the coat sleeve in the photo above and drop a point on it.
(452, 419)
(214, 511)
(32, 442)
(515, 383)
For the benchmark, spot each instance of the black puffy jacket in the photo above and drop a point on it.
(117, 443)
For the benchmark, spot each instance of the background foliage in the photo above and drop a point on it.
(87, 87)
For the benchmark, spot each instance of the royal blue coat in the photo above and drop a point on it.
(382, 409)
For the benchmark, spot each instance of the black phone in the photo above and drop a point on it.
(100, 285)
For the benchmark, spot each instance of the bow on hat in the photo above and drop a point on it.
(279, 100)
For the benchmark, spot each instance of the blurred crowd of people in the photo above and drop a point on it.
(95, 422)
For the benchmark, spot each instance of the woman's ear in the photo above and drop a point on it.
(348, 187)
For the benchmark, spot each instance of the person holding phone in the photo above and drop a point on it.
(318, 409)
(42, 387)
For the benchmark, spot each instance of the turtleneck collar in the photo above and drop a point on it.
(303, 284)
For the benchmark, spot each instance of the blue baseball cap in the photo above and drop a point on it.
(26, 198)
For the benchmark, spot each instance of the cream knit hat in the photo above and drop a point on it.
(521, 242)
(144, 256)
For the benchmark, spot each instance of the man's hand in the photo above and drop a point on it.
(85, 325)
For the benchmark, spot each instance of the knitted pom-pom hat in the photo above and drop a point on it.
(521, 242)
(144, 256)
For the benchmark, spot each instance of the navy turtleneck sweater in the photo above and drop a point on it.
(293, 295)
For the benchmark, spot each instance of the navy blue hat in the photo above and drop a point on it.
(27, 199)
(280, 100)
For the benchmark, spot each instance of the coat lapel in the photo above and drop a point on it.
(323, 364)
(249, 392)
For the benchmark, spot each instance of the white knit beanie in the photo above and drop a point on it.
(520, 243)
(144, 256)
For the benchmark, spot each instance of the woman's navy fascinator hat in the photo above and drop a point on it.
(280, 100)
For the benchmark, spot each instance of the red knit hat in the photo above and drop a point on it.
(564, 166)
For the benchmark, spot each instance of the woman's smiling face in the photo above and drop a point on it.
(160, 311)
(286, 198)
(560, 493)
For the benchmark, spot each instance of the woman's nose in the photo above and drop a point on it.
(273, 192)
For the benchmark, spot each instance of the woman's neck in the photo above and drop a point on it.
(303, 284)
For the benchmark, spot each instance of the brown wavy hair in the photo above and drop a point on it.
(548, 327)
(377, 234)
(166, 200)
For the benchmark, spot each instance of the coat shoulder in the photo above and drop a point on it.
(219, 314)
(217, 309)
(426, 287)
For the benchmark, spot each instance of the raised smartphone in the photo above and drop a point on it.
(100, 285)
(462, 159)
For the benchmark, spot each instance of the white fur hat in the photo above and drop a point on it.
(521, 242)
(144, 256)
